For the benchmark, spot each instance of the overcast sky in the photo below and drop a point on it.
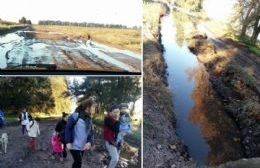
(126, 12)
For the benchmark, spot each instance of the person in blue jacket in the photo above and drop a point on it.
(1, 117)
(79, 135)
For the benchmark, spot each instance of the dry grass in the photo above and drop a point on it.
(151, 16)
(121, 38)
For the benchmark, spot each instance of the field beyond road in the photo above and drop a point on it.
(129, 39)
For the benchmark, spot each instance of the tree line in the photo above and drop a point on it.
(23, 20)
(108, 90)
(83, 24)
(52, 95)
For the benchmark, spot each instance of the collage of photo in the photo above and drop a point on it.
(130, 84)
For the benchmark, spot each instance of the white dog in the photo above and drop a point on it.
(4, 142)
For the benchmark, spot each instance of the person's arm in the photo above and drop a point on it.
(90, 138)
(58, 127)
(117, 128)
(38, 129)
(27, 127)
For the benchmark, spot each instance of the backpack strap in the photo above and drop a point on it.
(76, 119)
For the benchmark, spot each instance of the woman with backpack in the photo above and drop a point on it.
(111, 130)
(60, 129)
(33, 132)
(79, 133)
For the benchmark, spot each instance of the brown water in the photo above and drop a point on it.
(210, 135)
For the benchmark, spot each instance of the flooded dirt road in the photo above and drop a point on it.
(21, 50)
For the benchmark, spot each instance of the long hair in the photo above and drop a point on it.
(85, 104)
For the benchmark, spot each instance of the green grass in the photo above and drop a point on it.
(255, 48)
(136, 135)
(11, 120)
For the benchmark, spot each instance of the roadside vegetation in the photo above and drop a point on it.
(7, 27)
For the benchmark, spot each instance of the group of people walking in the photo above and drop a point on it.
(75, 133)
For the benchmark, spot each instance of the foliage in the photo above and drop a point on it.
(32, 93)
(39, 95)
(247, 15)
(62, 103)
(192, 5)
(23, 20)
(108, 90)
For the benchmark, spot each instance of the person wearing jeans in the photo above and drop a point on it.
(111, 129)
(79, 133)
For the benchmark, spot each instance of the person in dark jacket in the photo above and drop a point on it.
(79, 135)
(111, 130)
(60, 129)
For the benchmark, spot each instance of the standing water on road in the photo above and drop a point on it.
(210, 135)
(22, 49)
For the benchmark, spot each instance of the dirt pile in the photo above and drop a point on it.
(235, 76)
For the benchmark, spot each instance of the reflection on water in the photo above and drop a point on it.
(216, 127)
(211, 137)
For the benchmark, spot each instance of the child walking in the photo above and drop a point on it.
(57, 147)
(33, 132)
(125, 126)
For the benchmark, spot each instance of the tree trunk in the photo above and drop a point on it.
(256, 31)
(243, 31)
(246, 21)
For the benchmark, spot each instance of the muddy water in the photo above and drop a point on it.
(20, 48)
(210, 135)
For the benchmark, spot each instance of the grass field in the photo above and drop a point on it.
(121, 38)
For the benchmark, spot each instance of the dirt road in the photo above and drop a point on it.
(22, 50)
(19, 156)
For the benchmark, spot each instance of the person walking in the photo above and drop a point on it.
(111, 130)
(24, 118)
(2, 119)
(60, 129)
(79, 135)
(33, 130)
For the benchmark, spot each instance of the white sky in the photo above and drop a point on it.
(126, 12)
(219, 9)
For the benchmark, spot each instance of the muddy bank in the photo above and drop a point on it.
(234, 73)
(19, 156)
(161, 146)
